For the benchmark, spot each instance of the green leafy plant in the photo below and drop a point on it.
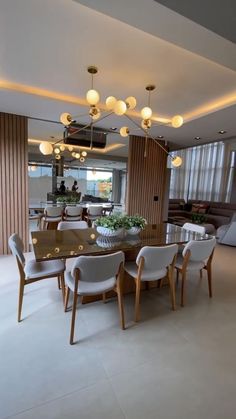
(70, 199)
(134, 221)
(113, 222)
(198, 218)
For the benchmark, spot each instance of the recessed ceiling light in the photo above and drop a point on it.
(222, 131)
(160, 136)
(197, 138)
(113, 128)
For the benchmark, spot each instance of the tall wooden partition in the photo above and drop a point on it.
(146, 179)
(13, 179)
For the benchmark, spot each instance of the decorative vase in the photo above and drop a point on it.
(107, 232)
(107, 242)
(133, 231)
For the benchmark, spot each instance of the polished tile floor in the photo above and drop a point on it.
(171, 365)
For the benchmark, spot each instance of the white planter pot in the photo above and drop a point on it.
(107, 242)
(109, 233)
(133, 231)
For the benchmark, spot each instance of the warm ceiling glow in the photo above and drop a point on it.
(105, 150)
(205, 109)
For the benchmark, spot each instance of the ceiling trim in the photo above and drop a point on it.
(203, 110)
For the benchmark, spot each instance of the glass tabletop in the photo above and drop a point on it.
(60, 244)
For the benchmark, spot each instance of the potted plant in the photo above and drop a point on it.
(110, 226)
(133, 224)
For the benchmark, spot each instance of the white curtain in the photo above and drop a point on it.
(205, 173)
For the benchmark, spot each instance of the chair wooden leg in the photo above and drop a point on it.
(59, 282)
(67, 295)
(177, 277)
(104, 298)
(20, 299)
(137, 300)
(172, 290)
(72, 329)
(183, 289)
(63, 287)
(209, 277)
(121, 308)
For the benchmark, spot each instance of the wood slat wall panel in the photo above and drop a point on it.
(146, 178)
(13, 179)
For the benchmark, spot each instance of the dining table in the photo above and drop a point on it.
(64, 244)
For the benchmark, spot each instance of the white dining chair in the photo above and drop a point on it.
(51, 215)
(196, 255)
(153, 264)
(93, 212)
(73, 213)
(72, 225)
(33, 271)
(194, 228)
(95, 275)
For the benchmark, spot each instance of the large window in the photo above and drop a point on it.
(206, 173)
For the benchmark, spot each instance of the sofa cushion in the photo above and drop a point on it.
(200, 208)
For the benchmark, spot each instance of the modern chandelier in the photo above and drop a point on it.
(113, 106)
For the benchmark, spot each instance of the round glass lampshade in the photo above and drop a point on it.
(57, 157)
(73, 154)
(62, 147)
(120, 107)
(95, 113)
(77, 155)
(84, 153)
(66, 118)
(131, 102)
(124, 132)
(33, 168)
(70, 148)
(57, 150)
(176, 161)
(146, 112)
(110, 102)
(82, 159)
(92, 97)
(146, 123)
(177, 121)
(46, 148)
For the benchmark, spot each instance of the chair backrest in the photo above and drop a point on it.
(200, 249)
(53, 211)
(194, 227)
(95, 210)
(156, 258)
(16, 245)
(71, 225)
(73, 211)
(98, 268)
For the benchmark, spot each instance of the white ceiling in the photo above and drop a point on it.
(49, 44)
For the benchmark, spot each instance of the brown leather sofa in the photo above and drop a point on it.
(216, 213)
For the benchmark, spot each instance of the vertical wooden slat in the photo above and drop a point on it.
(146, 178)
(13, 179)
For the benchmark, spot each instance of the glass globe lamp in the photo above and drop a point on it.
(124, 132)
(146, 123)
(84, 153)
(110, 102)
(46, 148)
(177, 121)
(92, 97)
(66, 118)
(146, 112)
(176, 161)
(120, 107)
(131, 102)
